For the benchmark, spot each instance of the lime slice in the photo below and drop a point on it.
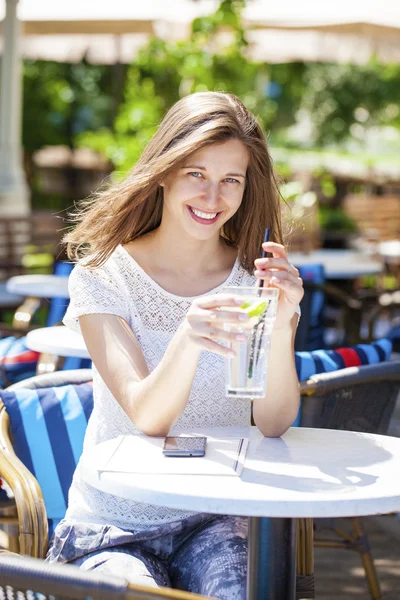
(255, 309)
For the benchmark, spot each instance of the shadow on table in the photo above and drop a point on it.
(331, 467)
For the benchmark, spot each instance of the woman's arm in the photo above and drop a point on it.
(153, 401)
(275, 413)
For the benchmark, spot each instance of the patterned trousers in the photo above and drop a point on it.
(210, 559)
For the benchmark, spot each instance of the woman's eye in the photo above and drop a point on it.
(231, 180)
(196, 174)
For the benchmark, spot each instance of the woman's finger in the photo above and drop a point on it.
(219, 316)
(214, 332)
(276, 263)
(218, 300)
(288, 284)
(267, 275)
(276, 249)
(214, 347)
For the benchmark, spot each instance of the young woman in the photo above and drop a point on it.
(154, 253)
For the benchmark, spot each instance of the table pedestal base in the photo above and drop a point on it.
(271, 568)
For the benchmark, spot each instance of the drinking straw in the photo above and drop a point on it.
(253, 354)
(263, 255)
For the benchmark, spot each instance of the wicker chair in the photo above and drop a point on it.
(315, 319)
(357, 399)
(32, 579)
(28, 513)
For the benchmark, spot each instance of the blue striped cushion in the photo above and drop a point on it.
(48, 428)
(323, 361)
(16, 360)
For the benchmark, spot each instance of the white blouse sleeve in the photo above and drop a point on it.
(94, 291)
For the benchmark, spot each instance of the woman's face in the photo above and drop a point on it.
(207, 189)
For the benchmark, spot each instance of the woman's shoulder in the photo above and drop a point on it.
(241, 276)
(111, 270)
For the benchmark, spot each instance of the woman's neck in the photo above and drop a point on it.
(188, 256)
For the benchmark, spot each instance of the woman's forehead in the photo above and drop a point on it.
(232, 152)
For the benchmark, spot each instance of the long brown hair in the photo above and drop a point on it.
(133, 207)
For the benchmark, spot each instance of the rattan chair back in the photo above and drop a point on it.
(32, 516)
(28, 578)
(357, 399)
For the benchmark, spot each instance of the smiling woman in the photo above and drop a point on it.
(154, 254)
(196, 124)
(209, 195)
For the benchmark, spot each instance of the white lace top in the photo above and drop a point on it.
(121, 287)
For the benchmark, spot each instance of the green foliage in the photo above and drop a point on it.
(335, 219)
(345, 100)
(213, 59)
(61, 100)
(78, 104)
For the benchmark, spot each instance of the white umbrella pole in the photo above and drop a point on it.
(14, 193)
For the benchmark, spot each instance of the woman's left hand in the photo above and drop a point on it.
(278, 272)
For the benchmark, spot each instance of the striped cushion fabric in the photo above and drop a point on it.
(48, 427)
(17, 362)
(322, 361)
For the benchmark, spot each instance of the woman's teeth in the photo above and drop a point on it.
(202, 215)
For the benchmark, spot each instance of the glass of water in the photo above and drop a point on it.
(246, 372)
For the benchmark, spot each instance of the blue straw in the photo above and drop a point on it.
(264, 254)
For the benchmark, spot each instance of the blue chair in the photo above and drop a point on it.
(46, 418)
(17, 362)
(310, 332)
(329, 315)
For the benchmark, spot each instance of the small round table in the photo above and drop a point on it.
(7, 298)
(39, 286)
(390, 250)
(340, 264)
(305, 473)
(59, 341)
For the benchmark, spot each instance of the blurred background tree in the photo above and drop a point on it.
(214, 58)
(348, 100)
(115, 109)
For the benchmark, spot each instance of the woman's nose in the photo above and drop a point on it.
(211, 196)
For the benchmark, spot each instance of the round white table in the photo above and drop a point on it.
(305, 473)
(390, 251)
(39, 286)
(340, 264)
(7, 298)
(60, 341)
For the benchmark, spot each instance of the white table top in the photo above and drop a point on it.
(305, 473)
(39, 286)
(339, 264)
(7, 298)
(59, 340)
(390, 250)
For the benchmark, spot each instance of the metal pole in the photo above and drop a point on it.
(14, 195)
(271, 568)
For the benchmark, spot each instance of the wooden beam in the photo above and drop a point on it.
(86, 27)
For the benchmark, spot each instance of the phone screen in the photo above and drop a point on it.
(184, 446)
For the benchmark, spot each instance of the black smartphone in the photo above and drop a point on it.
(184, 446)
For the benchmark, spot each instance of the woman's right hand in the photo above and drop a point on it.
(206, 318)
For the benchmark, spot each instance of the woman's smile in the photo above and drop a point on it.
(205, 218)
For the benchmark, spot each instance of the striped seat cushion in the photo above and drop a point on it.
(322, 361)
(48, 428)
(17, 362)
